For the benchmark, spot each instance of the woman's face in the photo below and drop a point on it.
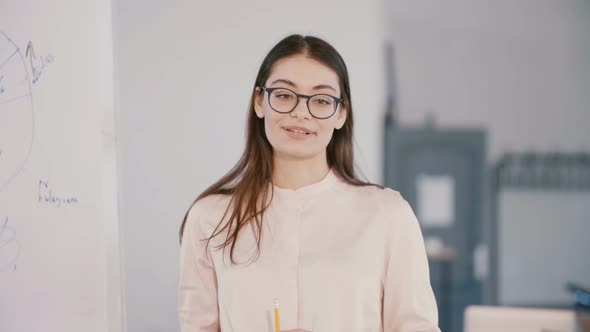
(283, 130)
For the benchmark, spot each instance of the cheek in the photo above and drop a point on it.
(272, 125)
(325, 133)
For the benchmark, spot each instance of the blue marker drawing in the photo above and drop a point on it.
(14, 51)
(16, 111)
(9, 247)
(46, 195)
(38, 63)
(2, 89)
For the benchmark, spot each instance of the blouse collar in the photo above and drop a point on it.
(327, 182)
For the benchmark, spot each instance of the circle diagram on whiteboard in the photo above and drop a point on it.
(16, 111)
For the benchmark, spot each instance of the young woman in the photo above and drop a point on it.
(292, 222)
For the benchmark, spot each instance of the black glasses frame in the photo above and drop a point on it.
(338, 101)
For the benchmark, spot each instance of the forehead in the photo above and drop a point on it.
(304, 72)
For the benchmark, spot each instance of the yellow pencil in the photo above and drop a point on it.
(277, 318)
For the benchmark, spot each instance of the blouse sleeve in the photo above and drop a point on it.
(408, 300)
(197, 287)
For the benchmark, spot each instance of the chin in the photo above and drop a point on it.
(296, 153)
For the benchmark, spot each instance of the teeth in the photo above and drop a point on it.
(297, 131)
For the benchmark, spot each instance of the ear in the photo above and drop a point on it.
(342, 113)
(258, 100)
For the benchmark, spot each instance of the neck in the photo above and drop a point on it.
(294, 174)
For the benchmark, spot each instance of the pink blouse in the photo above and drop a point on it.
(337, 257)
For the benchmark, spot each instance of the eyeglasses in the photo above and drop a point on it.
(320, 106)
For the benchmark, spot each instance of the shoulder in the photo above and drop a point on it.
(386, 199)
(396, 208)
(395, 203)
(207, 212)
(392, 208)
(210, 204)
(399, 218)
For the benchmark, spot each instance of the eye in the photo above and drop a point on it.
(323, 100)
(284, 96)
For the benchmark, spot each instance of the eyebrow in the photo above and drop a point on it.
(317, 87)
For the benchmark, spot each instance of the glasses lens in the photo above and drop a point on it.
(322, 106)
(282, 100)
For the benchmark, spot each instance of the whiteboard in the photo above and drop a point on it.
(59, 265)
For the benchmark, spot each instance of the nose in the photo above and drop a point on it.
(300, 110)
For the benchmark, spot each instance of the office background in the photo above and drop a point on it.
(517, 70)
(115, 115)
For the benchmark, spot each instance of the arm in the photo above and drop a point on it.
(408, 301)
(197, 287)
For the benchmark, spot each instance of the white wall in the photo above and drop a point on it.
(185, 72)
(517, 67)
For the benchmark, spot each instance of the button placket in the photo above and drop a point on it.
(299, 217)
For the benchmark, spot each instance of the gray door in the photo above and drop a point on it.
(424, 163)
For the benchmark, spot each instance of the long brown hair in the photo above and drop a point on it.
(253, 172)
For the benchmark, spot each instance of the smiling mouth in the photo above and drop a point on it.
(297, 131)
